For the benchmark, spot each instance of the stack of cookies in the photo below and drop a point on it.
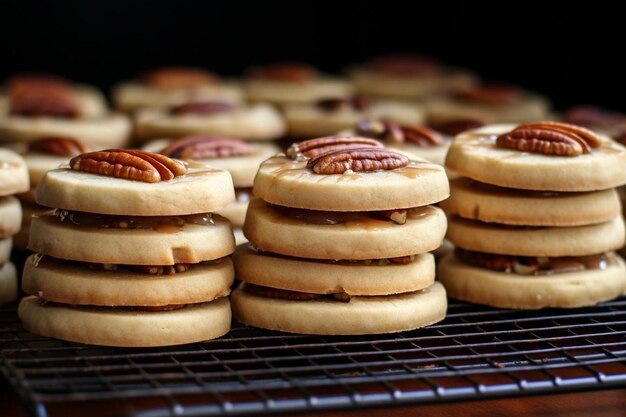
(536, 218)
(133, 254)
(13, 179)
(339, 238)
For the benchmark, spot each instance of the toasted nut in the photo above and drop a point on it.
(313, 147)
(205, 147)
(285, 71)
(178, 77)
(57, 146)
(394, 132)
(357, 160)
(161, 269)
(34, 96)
(129, 164)
(396, 216)
(334, 104)
(455, 127)
(202, 107)
(490, 94)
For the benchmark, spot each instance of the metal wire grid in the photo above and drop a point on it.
(477, 352)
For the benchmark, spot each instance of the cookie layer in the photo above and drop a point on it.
(201, 190)
(190, 243)
(491, 204)
(258, 122)
(500, 289)
(8, 283)
(436, 154)
(474, 155)
(38, 164)
(67, 283)
(289, 183)
(359, 238)
(303, 275)
(126, 328)
(10, 216)
(361, 315)
(536, 241)
(13, 173)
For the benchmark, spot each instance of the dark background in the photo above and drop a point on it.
(568, 52)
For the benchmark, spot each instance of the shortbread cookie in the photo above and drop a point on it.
(10, 216)
(8, 283)
(255, 122)
(337, 235)
(288, 182)
(111, 241)
(510, 290)
(475, 155)
(119, 285)
(126, 327)
(13, 173)
(370, 277)
(536, 241)
(359, 315)
(488, 203)
(5, 250)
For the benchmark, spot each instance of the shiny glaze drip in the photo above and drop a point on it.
(162, 224)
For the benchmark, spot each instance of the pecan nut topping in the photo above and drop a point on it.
(57, 146)
(34, 96)
(455, 127)
(394, 132)
(285, 71)
(178, 77)
(202, 107)
(490, 94)
(334, 104)
(129, 164)
(356, 160)
(550, 138)
(313, 147)
(206, 147)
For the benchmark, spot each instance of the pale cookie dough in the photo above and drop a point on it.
(283, 93)
(8, 283)
(39, 164)
(491, 204)
(360, 237)
(536, 241)
(13, 173)
(309, 120)
(361, 315)
(10, 216)
(436, 154)
(5, 249)
(68, 283)
(289, 183)
(201, 190)
(190, 243)
(256, 122)
(318, 277)
(474, 155)
(508, 290)
(126, 328)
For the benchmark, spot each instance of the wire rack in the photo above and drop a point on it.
(477, 352)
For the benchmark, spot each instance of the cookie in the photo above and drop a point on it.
(359, 315)
(10, 216)
(487, 203)
(126, 327)
(235, 213)
(509, 290)
(20, 239)
(342, 235)
(255, 122)
(13, 173)
(8, 283)
(536, 241)
(475, 155)
(371, 277)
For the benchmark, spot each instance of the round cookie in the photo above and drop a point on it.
(353, 278)
(8, 283)
(125, 327)
(506, 290)
(491, 204)
(5, 250)
(211, 189)
(359, 237)
(10, 216)
(289, 183)
(257, 122)
(536, 241)
(69, 283)
(172, 245)
(39, 164)
(13, 173)
(436, 154)
(360, 315)
(474, 154)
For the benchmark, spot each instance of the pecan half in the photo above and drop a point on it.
(313, 147)
(593, 117)
(550, 138)
(334, 104)
(202, 107)
(57, 146)
(406, 65)
(178, 77)
(34, 96)
(205, 147)
(455, 127)
(490, 94)
(356, 160)
(394, 132)
(285, 71)
(129, 164)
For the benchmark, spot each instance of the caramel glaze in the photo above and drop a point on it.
(162, 224)
(281, 294)
(152, 309)
(402, 260)
(534, 266)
